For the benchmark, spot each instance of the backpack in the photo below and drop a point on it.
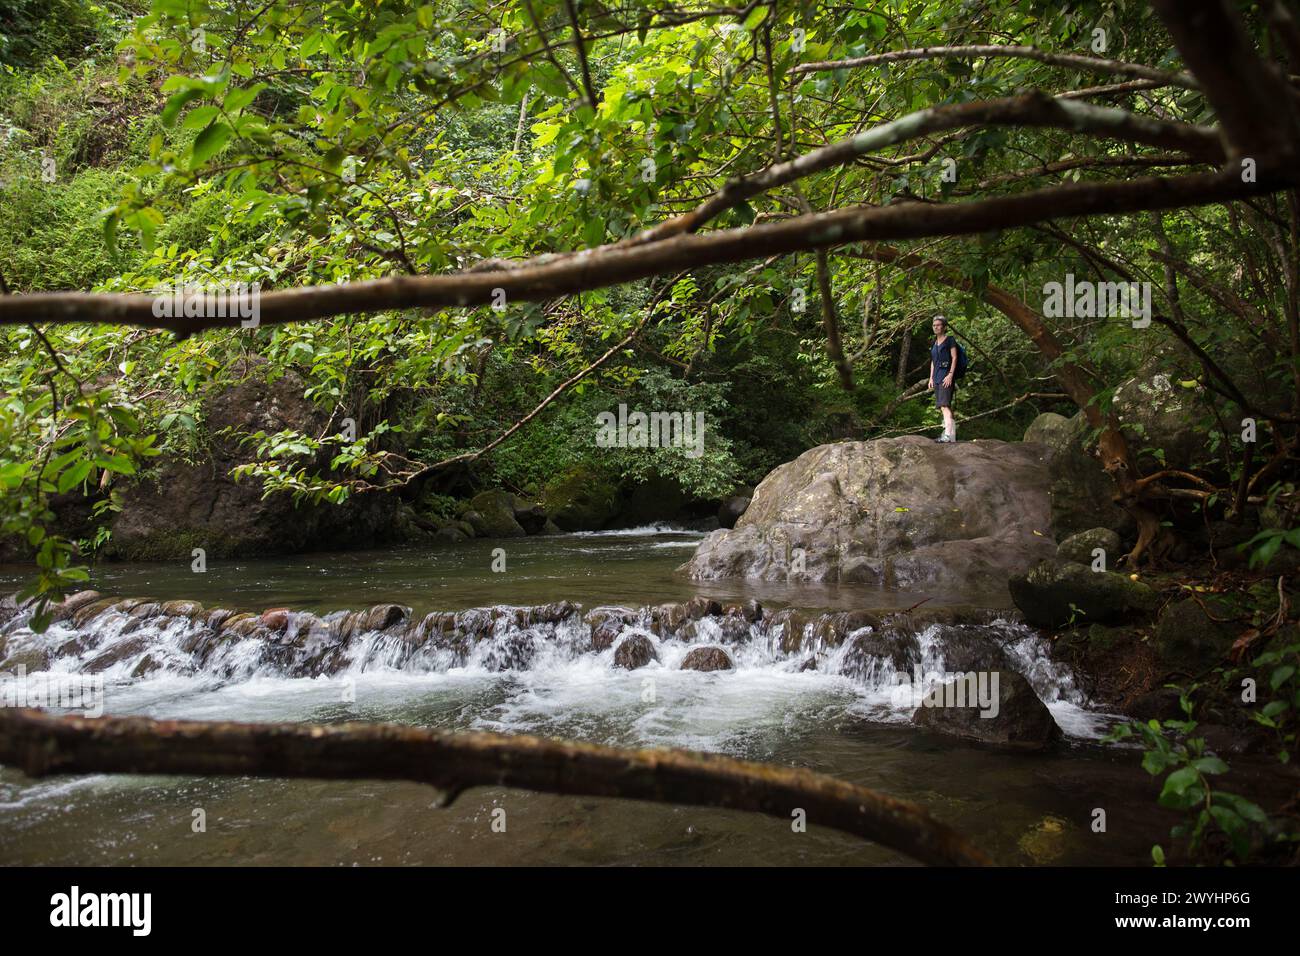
(963, 360)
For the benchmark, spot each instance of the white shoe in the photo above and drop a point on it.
(943, 439)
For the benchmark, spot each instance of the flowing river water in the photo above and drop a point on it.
(490, 667)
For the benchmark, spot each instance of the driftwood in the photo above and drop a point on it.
(40, 744)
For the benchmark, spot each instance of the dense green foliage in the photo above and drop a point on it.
(150, 143)
(218, 141)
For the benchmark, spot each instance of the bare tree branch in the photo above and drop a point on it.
(1255, 106)
(549, 276)
(582, 53)
(43, 744)
(1074, 61)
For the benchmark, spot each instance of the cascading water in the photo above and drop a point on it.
(541, 668)
(814, 685)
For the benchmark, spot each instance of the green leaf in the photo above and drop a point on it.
(210, 142)
(74, 476)
(1211, 765)
(756, 16)
(200, 116)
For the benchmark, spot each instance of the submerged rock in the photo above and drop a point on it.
(606, 624)
(1019, 721)
(1054, 593)
(707, 659)
(634, 651)
(896, 512)
(91, 610)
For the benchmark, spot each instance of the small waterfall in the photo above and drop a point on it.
(128, 640)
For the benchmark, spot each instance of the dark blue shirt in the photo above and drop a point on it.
(941, 356)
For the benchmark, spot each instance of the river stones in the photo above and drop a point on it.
(91, 610)
(873, 656)
(276, 619)
(751, 611)
(722, 628)
(190, 609)
(71, 604)
(668, 620)
(607, 622)
(896, 512)
(1016, 719)
(557, 612)
(707, 658)
(634, 651)
(1054, 592)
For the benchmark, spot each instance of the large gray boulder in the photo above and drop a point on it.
(1156, 411)
(905, 512)
(1081, 492)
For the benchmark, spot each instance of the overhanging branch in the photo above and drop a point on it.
(42, 744)
(549, 277)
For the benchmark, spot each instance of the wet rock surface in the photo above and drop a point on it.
(634, 651)
(707, 659)
(1010, 717)
(895, 512)
(132, 638)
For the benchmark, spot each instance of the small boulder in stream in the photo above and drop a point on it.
(708, 658)
(634, 651)
(1009, 717)
(492, 514)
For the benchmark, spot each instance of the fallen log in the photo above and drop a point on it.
(40, 743)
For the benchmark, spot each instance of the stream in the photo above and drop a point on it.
(511, 652)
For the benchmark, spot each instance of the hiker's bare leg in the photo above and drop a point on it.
(949, 423)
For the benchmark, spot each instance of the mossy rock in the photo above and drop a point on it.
(1079, 547)
(1056, 593)
(582, 499)
(1188, 639)
(492, 514)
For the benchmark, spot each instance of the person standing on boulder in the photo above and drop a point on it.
(943, 371)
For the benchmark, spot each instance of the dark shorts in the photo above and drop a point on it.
(943, 396)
